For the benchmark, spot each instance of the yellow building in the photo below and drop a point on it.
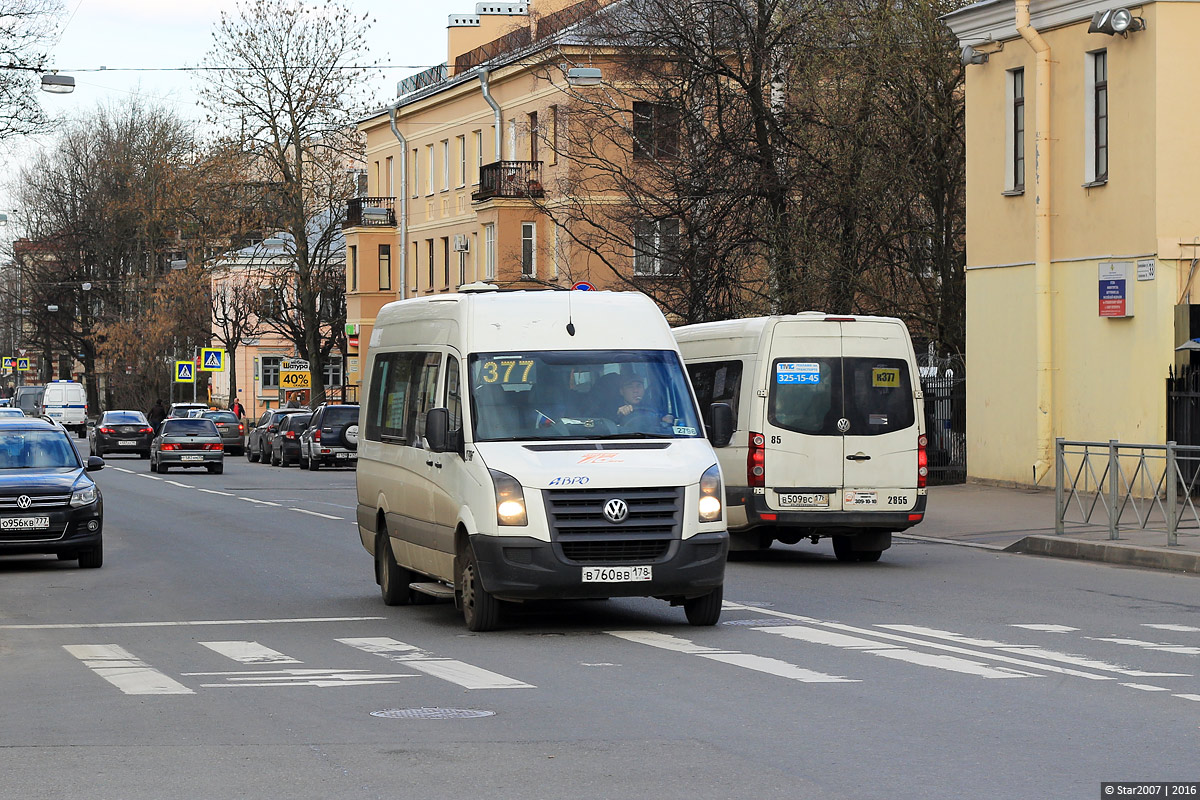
(1082, 231)
(462, 164)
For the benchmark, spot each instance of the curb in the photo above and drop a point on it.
(1109, 552)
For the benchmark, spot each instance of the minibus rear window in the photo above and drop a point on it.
(811, 395)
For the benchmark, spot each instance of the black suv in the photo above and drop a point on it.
(258, 443)
(331, 437)
(48, 502)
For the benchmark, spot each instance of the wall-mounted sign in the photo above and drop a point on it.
(1116, 289)
(1145, 268)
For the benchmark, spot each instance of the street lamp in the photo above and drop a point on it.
(57, 84)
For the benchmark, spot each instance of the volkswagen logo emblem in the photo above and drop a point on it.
(24, 502)
(616, 510)
(843, 424)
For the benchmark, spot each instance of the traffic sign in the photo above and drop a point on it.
(9, 362)
(22, 365)
(583, 286)
(212, 359)
(185, 372)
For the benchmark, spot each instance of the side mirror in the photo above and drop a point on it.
(721, 431)
(437, 430)
(94, 463)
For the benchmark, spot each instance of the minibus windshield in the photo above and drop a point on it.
(581, 394)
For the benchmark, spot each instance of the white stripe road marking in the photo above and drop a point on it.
(1195, 697)
(1170, 627)
(151, 477)
(1047, 628)
(1036, 652)
(888, 650)
(259, 502)
(181, 624)
(1146, 687)
(771, 666)
(1166, 648)
(181, 485)
(250, 653)
(447, 669)
(906, 640)
(316, 514)
(321, 678)
(122, 469)
(124, 670)
(214, 491)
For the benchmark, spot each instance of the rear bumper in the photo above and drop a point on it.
(175, 459)
(112, 444)
(758, 514)
(523, 568)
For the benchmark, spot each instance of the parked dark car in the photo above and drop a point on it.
(48, 502)
(121, 432)
(331, 438)
(258, 441)
(285, 445)
(185, 442)
(231, 428)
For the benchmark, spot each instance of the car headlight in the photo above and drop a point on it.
(510, 499)
(85, 496)
(710, 495)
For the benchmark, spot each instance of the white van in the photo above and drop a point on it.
(66, 403)
(537, 445)
(829, 434)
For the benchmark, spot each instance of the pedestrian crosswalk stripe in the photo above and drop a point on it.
(1047, 628)
(1168, 627)
(448, 669)
(291, 678)
(124, 670)
(1166, 648)
(250, 653)
(771, 666)
(1145, 687)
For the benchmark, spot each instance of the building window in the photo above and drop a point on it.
(1096, 132)
(533, 136)
(445, 165)
(656, 247)
(385, 267)
(432, 164)
(462, 161)
(388, 193)
(446, 259)
(477, 136)
(655, 130)
(489, 251)
(333, 371)
(270, 372)
(416, 172)
(429, 250)
(416, 262)
(528, 249)
(1015, 177)
(352, 266)
(554, 134)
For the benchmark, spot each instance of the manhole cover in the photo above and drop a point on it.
(432, 713)
(759, 623)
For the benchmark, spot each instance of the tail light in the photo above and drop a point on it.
(146, 430)
(316, 435)
(922, 461)
(290, 435)
(170, 446)
(756, 460)
(213, 447)
(106, 429)
(241, 428)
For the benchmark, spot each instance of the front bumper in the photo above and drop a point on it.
(524, 568)
(69, 531)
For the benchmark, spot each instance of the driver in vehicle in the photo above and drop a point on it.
(634, 404)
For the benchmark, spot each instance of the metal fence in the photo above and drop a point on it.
(946, 427)
(1150, 487)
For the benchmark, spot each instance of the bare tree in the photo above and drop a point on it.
(294, 98)
(235, 317)
(26, 28)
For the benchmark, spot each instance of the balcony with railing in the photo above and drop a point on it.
(509, 179)
(370, 212)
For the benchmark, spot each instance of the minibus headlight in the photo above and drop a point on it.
(510, 499)
(710, 495)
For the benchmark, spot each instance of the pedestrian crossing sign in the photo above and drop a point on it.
(9, 362)
(185, 372)
(212, 359)
(22, 365)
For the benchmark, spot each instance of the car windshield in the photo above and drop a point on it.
(297, 422)
(340, 415)
(189, 427)
(581, 394)
(221, 416)
(124, 418)
(36, 449)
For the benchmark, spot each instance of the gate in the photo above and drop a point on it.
(1183, 414)
(946, 427)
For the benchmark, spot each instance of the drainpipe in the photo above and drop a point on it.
(487, 95)
(1041, 243)
(403, 198)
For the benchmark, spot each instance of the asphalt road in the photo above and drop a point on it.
(234, 645)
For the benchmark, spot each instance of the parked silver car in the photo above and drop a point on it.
(231, 428)
(331, 438)
(185, 442)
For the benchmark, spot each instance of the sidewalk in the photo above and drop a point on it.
(1022, 521)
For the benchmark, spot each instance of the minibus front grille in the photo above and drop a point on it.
(579, 527)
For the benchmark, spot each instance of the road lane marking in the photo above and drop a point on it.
(895, 652)
(1146, 687)
(319, 678)
(317, 514)
(1166, 648)
(1170, 627)
(1046, 628)
(214, 491)
(151, 477)
(447, 669)
(1195, 697)
(259, 502)
(122, 469)
(250, 653)
(1036, 652)
(179, 624)
(770, 666)
(181, 485)
(122, 669)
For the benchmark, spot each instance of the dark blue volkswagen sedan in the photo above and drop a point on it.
(48, 502)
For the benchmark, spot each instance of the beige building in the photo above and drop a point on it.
(463, 163)
(1082, 232)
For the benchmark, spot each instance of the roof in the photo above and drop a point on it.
(30, 423)
(995, 20)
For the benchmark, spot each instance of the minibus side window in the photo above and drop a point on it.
(387, 402)
(453, 399)
(422, 393)
(879, 397)
(806, 395)
(716, 382)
